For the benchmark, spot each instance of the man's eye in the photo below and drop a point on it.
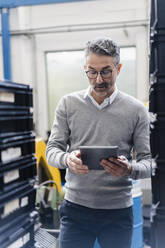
(93, 72)
(105, 72)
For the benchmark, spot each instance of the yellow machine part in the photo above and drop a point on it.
(51, 172)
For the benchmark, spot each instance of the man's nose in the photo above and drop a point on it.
(99, 78)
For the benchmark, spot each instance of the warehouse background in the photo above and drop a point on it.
(47, 43)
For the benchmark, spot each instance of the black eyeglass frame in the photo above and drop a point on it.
(101, 73)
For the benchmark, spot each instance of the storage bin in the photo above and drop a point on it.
(18, 123)
(157, 231)
(13, 111)
(157, 98)
(20, 233)
(12, 163)
(157, 14)
(16, 202)
(14, 94)
(17, 172)
(157, 138)
(157, 59)
(158, 181)
(13, 147)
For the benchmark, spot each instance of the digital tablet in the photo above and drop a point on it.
(92, 155)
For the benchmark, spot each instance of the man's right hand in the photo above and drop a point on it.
(75, 163)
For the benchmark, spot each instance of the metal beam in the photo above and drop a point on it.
(17, 3)
(6, 43)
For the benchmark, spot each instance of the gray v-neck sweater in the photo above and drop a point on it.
(124, 123)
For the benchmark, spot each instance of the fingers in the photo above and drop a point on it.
(120, 161)
(112, 168)
(75, 163)
(117, 166)
(75, 157)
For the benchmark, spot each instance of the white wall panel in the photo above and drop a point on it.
(88, 12)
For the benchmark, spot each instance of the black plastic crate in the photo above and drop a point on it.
(14, 147)
(15, 202)
(157, 138)
(11, 124)
(157, 14)
(160, 165)
(153, 13)
(20, 172)
(20, 232)
(12, 163)
(13, 111)
(157, 231)
(158, 184)
(157, 58)
(14, 94)
(157, 98)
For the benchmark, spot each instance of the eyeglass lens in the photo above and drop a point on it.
(94, 74)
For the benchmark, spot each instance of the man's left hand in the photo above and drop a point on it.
(117, 166)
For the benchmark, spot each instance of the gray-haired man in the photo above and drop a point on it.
(98, 204)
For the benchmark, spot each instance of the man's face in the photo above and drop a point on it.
(103, 83)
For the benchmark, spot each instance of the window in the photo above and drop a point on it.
(66, 74)
(126, 80)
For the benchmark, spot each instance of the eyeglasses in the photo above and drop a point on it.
(92, 74)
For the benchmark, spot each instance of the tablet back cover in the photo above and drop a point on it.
(92, 155)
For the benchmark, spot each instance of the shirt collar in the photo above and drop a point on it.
(107, 101)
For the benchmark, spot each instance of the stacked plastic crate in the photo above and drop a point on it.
(157, 108)
(18, 218)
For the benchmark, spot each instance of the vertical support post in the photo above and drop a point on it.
(6, 43)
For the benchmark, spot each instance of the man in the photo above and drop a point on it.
(98, 203)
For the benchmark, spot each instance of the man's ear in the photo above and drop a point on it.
(119, 68)
(85, 67)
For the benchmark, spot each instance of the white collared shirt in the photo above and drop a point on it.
(107, 101)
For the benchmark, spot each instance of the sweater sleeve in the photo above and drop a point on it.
(57, 144)
(141, 140)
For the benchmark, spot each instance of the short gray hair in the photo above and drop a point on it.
(103, 46)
